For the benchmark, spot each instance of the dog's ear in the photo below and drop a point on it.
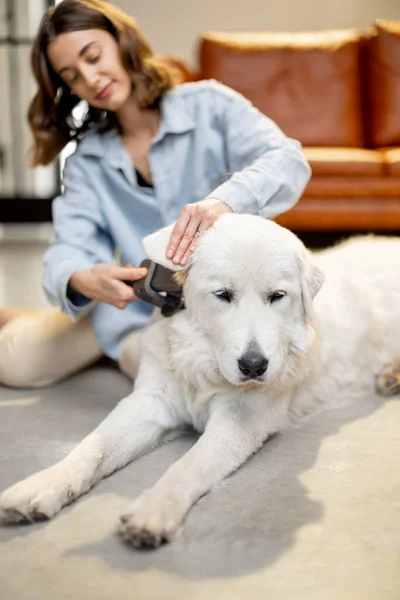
(155, 246)
(311, 280)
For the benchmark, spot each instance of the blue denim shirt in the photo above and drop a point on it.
(211, 141)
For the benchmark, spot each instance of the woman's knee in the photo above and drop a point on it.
(39, 352)
(21, 361)
(23, 374)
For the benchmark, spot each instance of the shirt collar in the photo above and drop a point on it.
(175, 119)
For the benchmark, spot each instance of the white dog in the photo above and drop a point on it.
(251, 352)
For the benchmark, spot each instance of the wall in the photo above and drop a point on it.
(173, 26)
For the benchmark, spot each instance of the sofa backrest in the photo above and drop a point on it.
(309, 83)
(384, 84)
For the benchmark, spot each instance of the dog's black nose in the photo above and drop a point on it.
(253, 365)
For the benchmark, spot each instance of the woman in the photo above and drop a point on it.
(149, 152)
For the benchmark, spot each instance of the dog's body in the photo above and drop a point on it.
(251, 352)
(358, 318)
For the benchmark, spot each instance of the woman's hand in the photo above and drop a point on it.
(194, 219)
(105, 283)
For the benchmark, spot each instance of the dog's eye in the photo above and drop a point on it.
(224, 295)
(275, 296)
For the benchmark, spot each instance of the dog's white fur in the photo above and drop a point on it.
(250, 297)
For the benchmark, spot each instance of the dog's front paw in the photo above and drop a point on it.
(38, 497)
(152, 520)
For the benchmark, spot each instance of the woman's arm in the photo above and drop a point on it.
(269, 170)
(79, 266)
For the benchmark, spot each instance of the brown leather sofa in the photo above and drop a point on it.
(338, 92)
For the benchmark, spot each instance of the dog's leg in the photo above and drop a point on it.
(236, 429)
(134, 427)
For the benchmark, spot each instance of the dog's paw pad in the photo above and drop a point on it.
(141, 537)
(388, 381)
(143, 534)
(11, 516)
(124, 518)
(37, 498)
(152, 519)
(38, 514)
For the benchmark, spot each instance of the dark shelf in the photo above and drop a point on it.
(25, 210)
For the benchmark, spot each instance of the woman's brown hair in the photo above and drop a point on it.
(49, 113)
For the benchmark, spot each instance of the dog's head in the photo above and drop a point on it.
(250, 287)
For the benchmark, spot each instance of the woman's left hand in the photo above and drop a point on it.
(194, 219)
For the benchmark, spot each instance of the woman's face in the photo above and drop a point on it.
(89, 62)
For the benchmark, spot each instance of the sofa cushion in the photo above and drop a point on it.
(392, 162)
(343, 214)
(384, 84)
(345, 161)
(309, 83)
(353, 187)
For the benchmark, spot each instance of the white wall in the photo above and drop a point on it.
(174, 26)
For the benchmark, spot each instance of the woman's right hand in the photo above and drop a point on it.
(105, 283)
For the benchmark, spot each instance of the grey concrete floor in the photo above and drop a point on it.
(314, 514)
